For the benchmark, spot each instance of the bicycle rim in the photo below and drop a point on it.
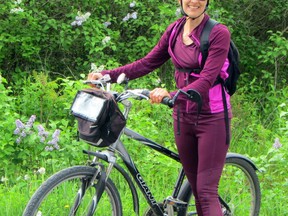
(59, 193)
(239, 188)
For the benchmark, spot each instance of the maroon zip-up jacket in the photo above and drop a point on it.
(216, 63)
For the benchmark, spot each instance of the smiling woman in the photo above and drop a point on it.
(193, 9)
(201, 136)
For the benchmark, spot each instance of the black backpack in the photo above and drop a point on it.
(233, 57)
(100, 121)
(233, 70)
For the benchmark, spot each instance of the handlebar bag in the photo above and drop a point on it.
(100, 121)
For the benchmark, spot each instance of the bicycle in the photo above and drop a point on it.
(88, 190)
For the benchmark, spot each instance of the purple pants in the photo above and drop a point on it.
(202, 151)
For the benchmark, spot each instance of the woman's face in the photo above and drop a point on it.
(193, 8)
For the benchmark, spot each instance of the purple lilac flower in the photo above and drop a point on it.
(23, 134)
(57, 147)
(19, 124)
(48, 148)
(42, 132)
(56, 133)
(17, 131)
(54, 141)
(277, 144)
(31, 121)
(18, 140)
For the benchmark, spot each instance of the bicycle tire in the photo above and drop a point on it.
(57, 193)
(239, 187)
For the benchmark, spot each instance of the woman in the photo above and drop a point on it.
(202, 142)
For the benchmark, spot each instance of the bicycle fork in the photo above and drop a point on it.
(100, 175)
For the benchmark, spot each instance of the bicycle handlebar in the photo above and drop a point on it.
(192, 95)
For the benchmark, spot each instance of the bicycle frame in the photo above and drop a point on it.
(120, 148)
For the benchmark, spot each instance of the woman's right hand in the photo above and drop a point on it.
(94, 76)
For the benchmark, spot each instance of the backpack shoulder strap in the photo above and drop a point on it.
(204, 39)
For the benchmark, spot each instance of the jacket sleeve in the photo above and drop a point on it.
(217, 53)
(154, 59)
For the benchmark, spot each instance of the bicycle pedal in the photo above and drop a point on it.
(176, 202)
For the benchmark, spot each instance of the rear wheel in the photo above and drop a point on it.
(63, 190)
(239, 190)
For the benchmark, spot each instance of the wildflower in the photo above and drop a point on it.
(17, 131)
(178, 12)
(4, 179)
(106, 24)
(17, 2)
(132, 4)
(49, 148)
(134, 15)
(95, 69)
(41, 171)
(56, 146)
(26, 177)
(54, 142)
(126, 18)
(23, 134)
(277, 144)
(106, 40)
(19, 124)
(39, 213)
(18, 140)
(56, 134)
(31, 121)
(16, 10)
(80, 18)
(41, 132)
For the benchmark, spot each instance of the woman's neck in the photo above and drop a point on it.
(191, 24)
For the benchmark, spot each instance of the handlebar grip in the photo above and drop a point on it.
(167, 101)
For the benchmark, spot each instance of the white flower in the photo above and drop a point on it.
(4, 179)
(17, 2)
(26, 177)
(80, 18)
(16, 10)
(277, 144)
(95, 69)
(133, 15)
(106, 40)
(178, 12)
(39, 213)
(106, 24)
(41, 171)
(127, 17)
(86, 16)
(132, 4)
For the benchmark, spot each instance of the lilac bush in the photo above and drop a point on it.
(25, 132)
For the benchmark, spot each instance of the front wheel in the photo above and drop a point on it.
(239, 190)
(59, 195)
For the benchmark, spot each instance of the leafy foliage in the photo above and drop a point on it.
(46, 45)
